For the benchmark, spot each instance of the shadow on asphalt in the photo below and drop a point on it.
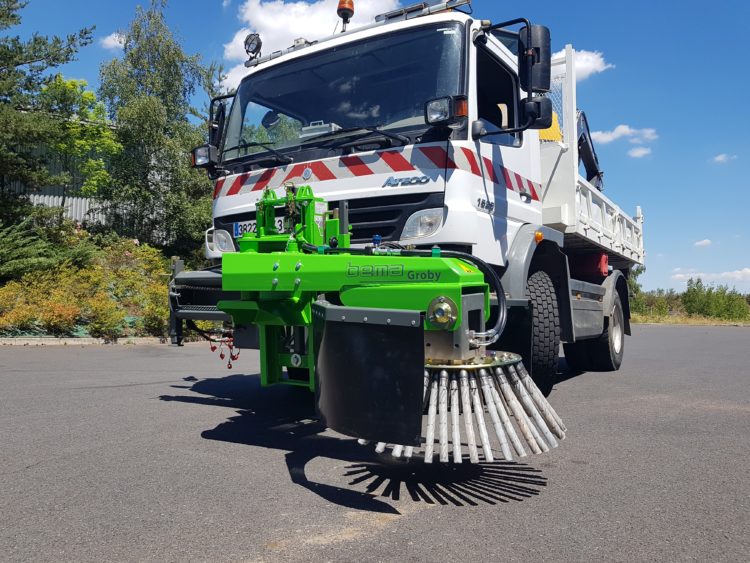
(460, 485)
(565, 372)
(283, 418)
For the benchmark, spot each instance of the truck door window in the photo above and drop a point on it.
(497, 93)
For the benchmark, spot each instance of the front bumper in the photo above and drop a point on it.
(193, 296)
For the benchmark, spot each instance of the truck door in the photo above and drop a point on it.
(506, 157)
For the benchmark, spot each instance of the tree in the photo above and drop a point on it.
(637, 303)
(86, 140)
(24, 72)
(154, 195)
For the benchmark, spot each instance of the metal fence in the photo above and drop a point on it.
(81, 209)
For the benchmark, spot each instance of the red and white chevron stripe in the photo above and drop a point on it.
(423, 159)
(467, 159)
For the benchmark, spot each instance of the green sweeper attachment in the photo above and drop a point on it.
(384, 335)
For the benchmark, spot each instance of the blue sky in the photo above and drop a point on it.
(672, 76)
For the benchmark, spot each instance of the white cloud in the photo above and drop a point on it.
(113, 42)
(280, 22)
(225, 3)
(627, 132)
(587, 63)
(639, 152)
(723, 158)
(738, 276)
(235, 49)
(233, 76)
(702, 243)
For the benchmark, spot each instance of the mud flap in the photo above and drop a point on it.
(369, 366)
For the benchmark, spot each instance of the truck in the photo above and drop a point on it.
(426, 131)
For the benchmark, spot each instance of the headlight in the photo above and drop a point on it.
(438, 111)
(423, 223)
(200, 156)
(205, 156)
(223, 241)
(450, 111)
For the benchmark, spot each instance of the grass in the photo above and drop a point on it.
(681, 319)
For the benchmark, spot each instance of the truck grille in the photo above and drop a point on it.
(384, 216)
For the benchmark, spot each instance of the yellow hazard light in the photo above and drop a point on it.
(461, 107)
(538, 236)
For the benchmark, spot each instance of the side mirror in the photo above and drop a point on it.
(216, 119)
(204, 156)
(478, 129)
(534, 59)
(217, 126)
(538, 112)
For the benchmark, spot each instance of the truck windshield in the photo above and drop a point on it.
(381, 82)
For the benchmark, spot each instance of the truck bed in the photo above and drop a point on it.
(589, 219)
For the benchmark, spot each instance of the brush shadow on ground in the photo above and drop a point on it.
(458, 485)
(283, 418)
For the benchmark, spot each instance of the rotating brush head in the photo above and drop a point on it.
(458, 397)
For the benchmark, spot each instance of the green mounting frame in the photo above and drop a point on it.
(280, 275)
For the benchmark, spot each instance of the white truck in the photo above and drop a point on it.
(423, 129)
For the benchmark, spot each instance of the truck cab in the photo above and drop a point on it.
(382, 119)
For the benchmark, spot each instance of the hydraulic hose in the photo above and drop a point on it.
(493, 334)
(312, 249)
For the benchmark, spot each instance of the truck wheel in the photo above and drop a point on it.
(545, 329)
(606, 352)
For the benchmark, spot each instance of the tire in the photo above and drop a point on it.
(545, 329)
(606, 351)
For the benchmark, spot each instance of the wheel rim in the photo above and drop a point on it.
(616, 332)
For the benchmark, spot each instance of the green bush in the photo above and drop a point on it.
(661, 306)
(124, 280)
(104, 316)
(43, 240)
(658, 303)
(718, 302)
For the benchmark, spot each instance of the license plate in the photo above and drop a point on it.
(242, 227)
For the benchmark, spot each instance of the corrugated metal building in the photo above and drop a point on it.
(80, 209)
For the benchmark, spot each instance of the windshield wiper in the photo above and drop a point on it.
(281, 157)
(402, 139)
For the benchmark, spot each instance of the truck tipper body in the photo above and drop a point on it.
(414, 131)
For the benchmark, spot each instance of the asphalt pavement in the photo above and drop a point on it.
(157, 453)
